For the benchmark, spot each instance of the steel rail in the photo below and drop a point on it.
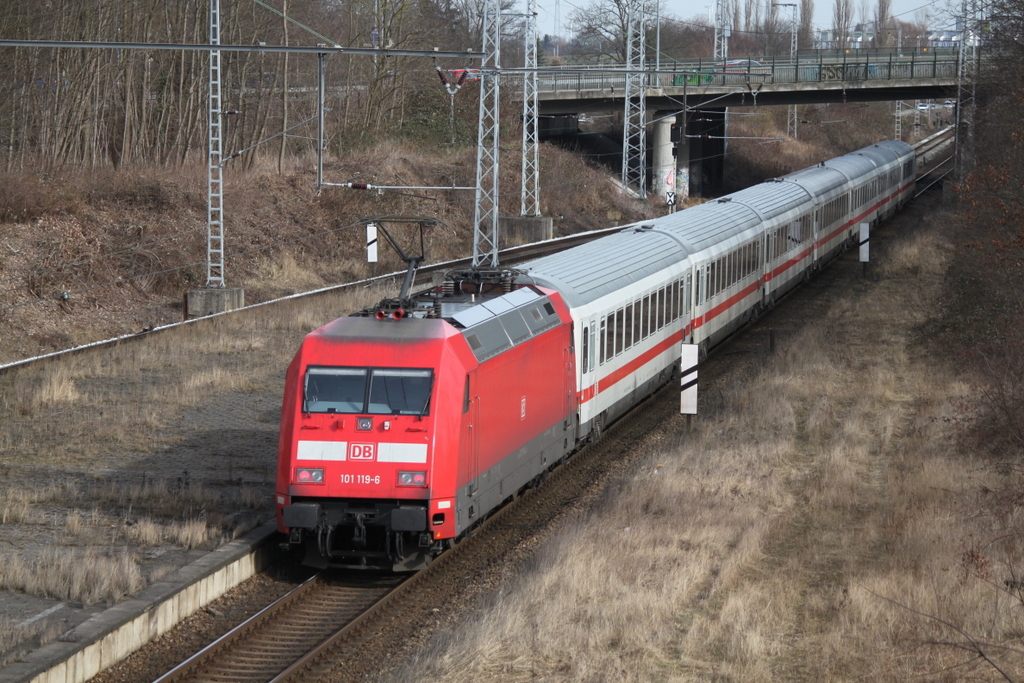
(423, 276)
(266, 643)
(184, 669)
(352, 630)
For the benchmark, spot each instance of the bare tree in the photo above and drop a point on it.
(775, 30)
(842, 20)
(605, 25)
(806, 23)
(749, 14)
(885, 27)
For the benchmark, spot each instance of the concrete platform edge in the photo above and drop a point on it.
(112, 635)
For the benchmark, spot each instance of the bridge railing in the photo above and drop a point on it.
(771, 70)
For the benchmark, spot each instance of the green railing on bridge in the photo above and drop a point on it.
(817, 68)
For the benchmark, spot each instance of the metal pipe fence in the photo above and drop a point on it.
(771, 70)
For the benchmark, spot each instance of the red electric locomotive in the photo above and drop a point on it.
(406, 424)
(402, 428)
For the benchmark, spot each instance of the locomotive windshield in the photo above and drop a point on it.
(368, 391)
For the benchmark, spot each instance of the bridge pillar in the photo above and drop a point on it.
(682, 160)
(663, 165)
(705, 129)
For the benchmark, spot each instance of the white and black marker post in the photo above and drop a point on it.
(688, 381)
(371, 242)
(864, 244)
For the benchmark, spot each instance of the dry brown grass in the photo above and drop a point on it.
(819, 524)
(94, 416)
(189, 534)
(13, 634)
(88, 576)
(143, 386)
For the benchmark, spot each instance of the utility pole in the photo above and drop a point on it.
(215, 191)
(530, 195)
(634, 125)
(793, 119)
(485, 214)
(722, 31)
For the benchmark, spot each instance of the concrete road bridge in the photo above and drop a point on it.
(694, 95)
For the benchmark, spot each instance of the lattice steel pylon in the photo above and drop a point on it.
(965, 90)
(898, 133)
(485, 215)
(721, 32)
(530, 203)
(634, 125)
(794, 114)
(215, 192)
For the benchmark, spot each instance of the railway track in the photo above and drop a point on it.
(358, 646)
(935, 159)
(305, 634)
(268, 642)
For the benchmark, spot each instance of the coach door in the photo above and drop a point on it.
(588, 373)
(817, 230)
(688, 306)
(469, 448)
(569, 390)
(767, 249)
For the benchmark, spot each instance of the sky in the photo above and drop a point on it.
(905, 10)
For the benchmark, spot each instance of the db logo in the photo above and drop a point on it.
(362, 451)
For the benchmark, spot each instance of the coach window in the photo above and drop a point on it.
(662, 302)
(628, 328)
(604, 340)
(645, 314)
(619, 331)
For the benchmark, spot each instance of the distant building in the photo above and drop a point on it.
(863, 36)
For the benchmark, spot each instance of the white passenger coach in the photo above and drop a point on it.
(698, 274)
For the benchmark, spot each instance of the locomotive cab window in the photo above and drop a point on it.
(368, 391)
(335, 390)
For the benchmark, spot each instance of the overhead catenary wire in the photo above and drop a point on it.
(297, 23)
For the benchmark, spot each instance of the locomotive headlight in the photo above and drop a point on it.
(412, 478)
(309, 475)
